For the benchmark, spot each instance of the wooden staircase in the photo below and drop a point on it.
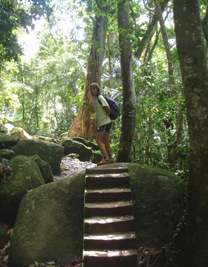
(109, 237)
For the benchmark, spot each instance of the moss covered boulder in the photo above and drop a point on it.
(26, 176)
(7, 153)
(8, 141)
(49, 223)
(87, 143)
(45, 169)
(72, 146)
(47, 151)
(21, 133)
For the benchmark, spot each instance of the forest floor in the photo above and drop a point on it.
(147, 256)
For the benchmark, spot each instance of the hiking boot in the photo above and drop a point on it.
(111, 160)
(104, 161)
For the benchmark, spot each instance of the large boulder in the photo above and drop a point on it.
(87, 143)
(21, 133)
(45, 169)
(7, 153)
(49, 224)
(8, 141)
(49, 139)
(47, 151)
(22, 125)
(26, 176)
(72, 146)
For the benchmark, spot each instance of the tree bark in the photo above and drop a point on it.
(192, 241)
(83, 125)
(129, 99)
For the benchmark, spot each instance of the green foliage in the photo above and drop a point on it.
(15, 16)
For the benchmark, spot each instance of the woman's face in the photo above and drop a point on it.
(94, 91)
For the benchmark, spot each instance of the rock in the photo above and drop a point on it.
(49, 224)
(49, 152)
(7, 153)
(158, 203)
(3, 129)
(96, 157)
(7, 141)
(49, 139)
(73, 155)
(71, 146)
(44, 167)
(3, 236)
(87, 143)
(22, 125)
(21, 133)
(63, 136)
(26, 176)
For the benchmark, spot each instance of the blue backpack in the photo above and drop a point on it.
(115, 111)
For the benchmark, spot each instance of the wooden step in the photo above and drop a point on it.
(119, 208)
(108, 224)
(107, 195)
(108, 258)
(101, 181)
(110, 241)
(103, 170)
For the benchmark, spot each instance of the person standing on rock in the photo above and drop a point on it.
(103, 124)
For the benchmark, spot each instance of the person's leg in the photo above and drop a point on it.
(100, 136)
(107, 143)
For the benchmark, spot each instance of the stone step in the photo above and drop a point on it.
(107, 195)
(110, 241)
(119, 208)
(104, 225)
(101, 181)
(106, 169)
(119, 258)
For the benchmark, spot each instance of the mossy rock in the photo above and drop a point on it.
(49, 224)
(7, 153)
(87, 143)
(26, 176)
(45, 169)
(47, 151)
(72, 146)
(8, 141)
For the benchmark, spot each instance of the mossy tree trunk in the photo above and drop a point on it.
(192, 241)
(129, 99)
(83, 125)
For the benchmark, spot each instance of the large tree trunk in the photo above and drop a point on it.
(83, 125)
(192, 241)
(129, 100)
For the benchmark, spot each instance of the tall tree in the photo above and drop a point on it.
(192, 241)
(129, 98)
(83, 125)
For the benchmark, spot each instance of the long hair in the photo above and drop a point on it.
(96, 86)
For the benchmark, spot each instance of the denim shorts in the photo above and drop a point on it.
(105, 127)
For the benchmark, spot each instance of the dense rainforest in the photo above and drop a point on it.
(149, 55)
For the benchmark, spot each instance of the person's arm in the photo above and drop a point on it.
(108, 110)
